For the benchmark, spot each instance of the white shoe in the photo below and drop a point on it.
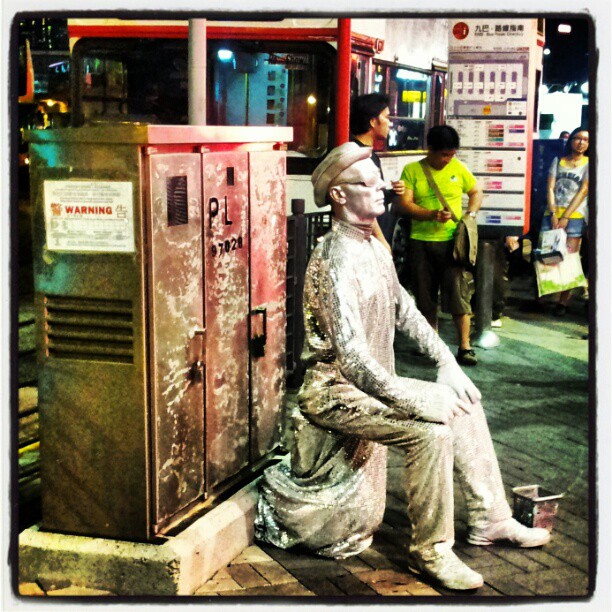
(509, 530)
(496, 323)
(448, 570)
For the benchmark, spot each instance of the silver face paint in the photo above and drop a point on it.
(361, 191)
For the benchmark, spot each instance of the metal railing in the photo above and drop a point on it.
(303, 231)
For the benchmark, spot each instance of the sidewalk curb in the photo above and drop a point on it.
(177, 567)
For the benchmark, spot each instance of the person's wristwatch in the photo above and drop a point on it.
(472, 214)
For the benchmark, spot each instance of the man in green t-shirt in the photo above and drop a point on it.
(432, 268)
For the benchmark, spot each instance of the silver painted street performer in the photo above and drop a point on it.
(331, 497)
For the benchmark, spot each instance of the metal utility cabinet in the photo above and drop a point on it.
(159, 263)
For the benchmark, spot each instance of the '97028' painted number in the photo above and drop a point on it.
(227, 246)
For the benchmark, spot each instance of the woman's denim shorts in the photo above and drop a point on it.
(574, 227)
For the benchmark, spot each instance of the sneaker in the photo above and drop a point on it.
(467, 357)
(448, 570)
(496, 323)
(511, 531)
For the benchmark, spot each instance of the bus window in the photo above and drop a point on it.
(130, 80)
(104, 87)
(409, 92)
(360, 73)
(249, 83)
(254, 83)
(438, 97)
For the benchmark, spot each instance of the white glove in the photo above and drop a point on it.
(452, 375)
(442, 405)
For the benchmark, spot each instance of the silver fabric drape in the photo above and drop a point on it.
(330, 497)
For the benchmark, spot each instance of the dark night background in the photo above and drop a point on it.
(569, 53)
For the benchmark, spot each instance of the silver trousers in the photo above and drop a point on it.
(432, 452)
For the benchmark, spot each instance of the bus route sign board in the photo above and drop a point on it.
(491, 100)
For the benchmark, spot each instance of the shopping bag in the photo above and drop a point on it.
(566, 274)
(552, 247)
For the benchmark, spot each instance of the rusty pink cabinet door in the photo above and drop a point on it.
(268, 289)
(226, 257)
(175, 294)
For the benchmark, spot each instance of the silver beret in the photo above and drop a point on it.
(338, 160)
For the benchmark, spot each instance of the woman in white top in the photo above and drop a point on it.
(568, 185)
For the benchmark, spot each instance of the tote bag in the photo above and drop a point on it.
(552, 246)
(565, 275)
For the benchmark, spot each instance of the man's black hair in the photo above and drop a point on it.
(442, 138)
(364, 108)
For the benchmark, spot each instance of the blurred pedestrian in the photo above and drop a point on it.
(432, 267)
(568, 186)
(370, 123)
(564, 135)
(501, 266)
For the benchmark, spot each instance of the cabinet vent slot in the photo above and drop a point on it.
(89, 329)
(176, 197)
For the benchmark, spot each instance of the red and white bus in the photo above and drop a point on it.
(289, 72)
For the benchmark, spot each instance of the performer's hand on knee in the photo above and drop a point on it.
(462, 407)
(442, 405)
(451, 374)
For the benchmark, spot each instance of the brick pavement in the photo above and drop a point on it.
(558, 569)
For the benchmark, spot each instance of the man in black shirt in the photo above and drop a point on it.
(370, 122)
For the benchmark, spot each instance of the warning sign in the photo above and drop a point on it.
(89, 216)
